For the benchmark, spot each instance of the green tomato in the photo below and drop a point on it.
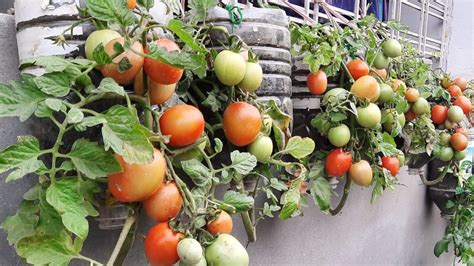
(387, 125)
(369, 116)
(381, 61)
(421, 106)
(230, 67)
(392, 48)
(261, 148)
(401, 158)
(98, 37)
(445, 154)
(189, 251)
(226, 250)
(386, 93)
(332, 94)
(455, 114)
(460, 155)
(202, 262)
(253, 77)
(339, 136)
(444, 138)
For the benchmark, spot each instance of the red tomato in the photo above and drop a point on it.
(161, 245)
(112, 70)
(458, 141)
(439, 114)
(464, 103)
(165, 203)
(461, 130)
(160, 72)
(410, 115)
(455, 91)
(392, 164)
(184, 123)
(317, 82)
(461, 83)
(221, 225)
(338, 162)
(358, 68)
(137, 181)
(242, 123)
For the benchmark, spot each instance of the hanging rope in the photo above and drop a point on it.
(235, 15)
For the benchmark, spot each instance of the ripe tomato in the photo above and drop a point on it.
(158, 93)
(226, 250)
(381, 61)
(386, 93)
(464, 103)
(131, 4)
(391, 164)
(229, 67)
(361, 173)
(455, 114)
(261, 148)
(317, 82)
(161, 245)
(446, 82)
(421, 106)
(221, 225)
(455, 91)
(366, 87)
(458, 141)
(98, 37)
(380, 72)
(189, 251)
(253, 77)
(369, 116)
(392, 48)
(161, 72)
(445, 154)
(184, 123)
(165, 203)
(461, 130)
(461, 83)
(358, 68)
(338, 162)
(339, 136)
(396, 84)
(444, 138)
(137, 182)
(439, 113)
(410, 115)
(411, 95)
(112, 70)
(242, 123)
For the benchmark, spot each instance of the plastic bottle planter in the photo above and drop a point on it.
(266, 32)
(444, 191)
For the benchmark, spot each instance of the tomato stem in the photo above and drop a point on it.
(248, 225)
(345, 196)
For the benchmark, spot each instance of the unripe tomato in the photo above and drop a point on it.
(369, 116)
(396, 84)
(131, 4)
(455, 114)
(410, 115)
(226, 250)
(449, 125)
(461, 83)
(401, 158)
(221, 225)
(230, 68)
(454, 91)
(382, 73)
(446, 82)
(98, 37)
(161, 72)
(445, 154)
(112, 70)
(339, 93)
(339, 136)
(184, 123)
(317, 82)
(392, 48)
(189, 251)
(361, 173)
(165, 203)
(458, 141)
(439, 114)
(392, 164)
(253, 77)
(338, 162)
(366, 87)
(461, 130)
(464, 103)
(358, 68)
(261, 148)
(158, 93)
(421, 106)
(381, 61)
(242, 123)
(460, 155)
(386, 94)
(161, 245)
(137, 182)
(201, 262)
(411, 95)
(444, 138)
(388, 124)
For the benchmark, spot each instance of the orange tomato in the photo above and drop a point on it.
(455, 91)
(221, 225)
(242, 123)
(458, 141)
(161, 72)
(461, 83)
(411, 95)
(158, 93)
(366, 87)
(358, 68)
(112, 70)
(317, 82)
(464, 103)
(381, 73)
(397, 83)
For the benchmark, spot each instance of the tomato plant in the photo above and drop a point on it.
(99, 37)
(412, 95)
(454, 91)
(253, 77)
(189, 251)
(262, 148)
(392, 48)
(461, 83)
(464, 103)
(339, 136)
(455, 114)
(458, 141)
(226, 250)
(369, 116)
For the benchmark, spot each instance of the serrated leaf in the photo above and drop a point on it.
(241, 202)
(200, 8)
(177, 27)
(23, 169)
(300, 147)
(173, 6)
(54, 83)
(126, 136)
(212, 102)
(49, 219)
(27, 148)
(243, 162)
(110, 85)
(100, 56)
(197, 171)
(147, 3)
(54, 104)
(22, 224)
(114, 11)
(291, 200)
(89, 121)
(50, 63)
(43, 111)
(322, 192)
(74, 115)
(33, 193)
(92, 160)
(218, 145)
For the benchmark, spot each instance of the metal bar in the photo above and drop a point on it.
(419, 8)
(356, 9)
(399, 15)
(421, 25)
(427, 17)
(364, 8)
(316, 12)
(306, 7)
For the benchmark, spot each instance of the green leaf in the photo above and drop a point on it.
(49, 63)
(147, 3)
(450, 204)
(198, 172)
(74, 115)
(33, 193)
(177, 27)
(241, 202)
(389, 139)
(22, 224)
(26, 167)
(173, 6)
(126, 136)
(200, 8)
(43, 110)
(101, 56)
(218, 145)
(92, 160)
(212, 102)
(322, 192)
(279, 136)
(89, 121)
(388, 149)
(15, 156)
(110, 85)
(49, 220)
(54, 104)
(243, 162)
(441, 247)
(291, 200)
(300, 147)
(55, 83)
(113, 11)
